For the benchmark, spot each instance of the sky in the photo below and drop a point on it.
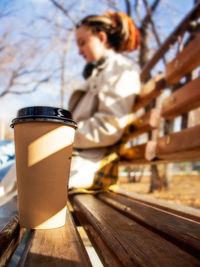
(49, 94)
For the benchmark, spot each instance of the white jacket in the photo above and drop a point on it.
(102, 106)
(101, 111)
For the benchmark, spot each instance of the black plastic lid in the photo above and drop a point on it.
(43, 113)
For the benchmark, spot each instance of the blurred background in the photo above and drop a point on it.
(40, 65)
(39, 61)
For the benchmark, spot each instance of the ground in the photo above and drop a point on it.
(184, 189)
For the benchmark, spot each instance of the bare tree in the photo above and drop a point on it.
(17, 68)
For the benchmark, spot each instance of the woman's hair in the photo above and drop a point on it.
(122, 34)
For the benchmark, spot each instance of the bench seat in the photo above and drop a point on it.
(129, 232)
(53, 247)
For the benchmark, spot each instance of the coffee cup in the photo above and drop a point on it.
(43, 148)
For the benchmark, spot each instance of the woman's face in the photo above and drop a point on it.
(91, 46)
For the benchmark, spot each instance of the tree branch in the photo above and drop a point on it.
(136, 11)
(149, 13)
(152, 8)
(144, 52)
(65, 11)
(8, 91)
(128, 7)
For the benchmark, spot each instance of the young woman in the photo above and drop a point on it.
(102, 106)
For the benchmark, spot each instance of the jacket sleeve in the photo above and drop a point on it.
(115, 101)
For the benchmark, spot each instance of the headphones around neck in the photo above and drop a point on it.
(90, 66)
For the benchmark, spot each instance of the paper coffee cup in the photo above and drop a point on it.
(43, 148)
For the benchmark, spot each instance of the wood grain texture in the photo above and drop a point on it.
(184, 62)
(184, 211)
(9, 239)
(130, 242)
(9, 230)
(177, 228)
(57, 247)
(152, 84)
(182, 100)
(149, 91)
(183, 145)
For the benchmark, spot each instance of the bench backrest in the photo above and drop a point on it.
(166, 96)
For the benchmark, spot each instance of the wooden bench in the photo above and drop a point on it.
(181, 76)
(127, 229)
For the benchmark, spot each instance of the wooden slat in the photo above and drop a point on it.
(140, 152)
(155, 161)
(141, 162)
(184, 62)
(179, 30)
(179, 229)
(56, 247)
(9, 230)
(129, 242)
(96, 237)
(149, 91)
(182, 100)
(183, 145)
(9, 238)
(178, 210)
(145, 123)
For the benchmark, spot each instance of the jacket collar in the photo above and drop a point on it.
(99, 65)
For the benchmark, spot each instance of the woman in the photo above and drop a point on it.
(102, 106)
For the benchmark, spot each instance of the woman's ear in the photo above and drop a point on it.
(103, 37)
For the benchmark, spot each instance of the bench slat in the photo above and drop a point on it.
(178, 32)
(149, 91)
(103, 250)
(184, 211)
(178, 228)
(56, 247)
(9, 230)
(131, 243)
(9, 238)
(184, 62)
(182, 101)
(183, 145)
